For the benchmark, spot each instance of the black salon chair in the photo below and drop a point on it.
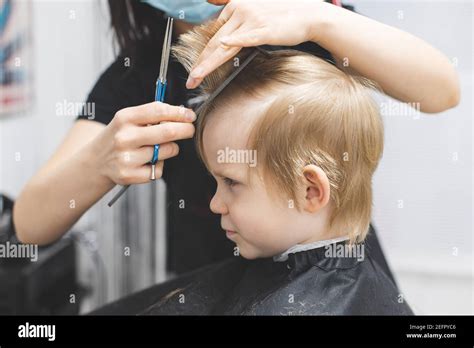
(6, 221)
(42, 287)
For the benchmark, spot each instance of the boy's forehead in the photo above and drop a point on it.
(222, 158)
(223, 137)
(227, 131)
(230, 125)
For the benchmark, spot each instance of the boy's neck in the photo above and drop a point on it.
(307, 246)
(323, 237)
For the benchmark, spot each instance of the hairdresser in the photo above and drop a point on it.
(115, 146)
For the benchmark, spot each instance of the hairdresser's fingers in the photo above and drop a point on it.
(160, 133)
(208, 62)
(141, 174)
(144, 154)
(128, 160)
(248, 38)
(230, 24)
(227, 12)
(216, 59)
(153, 113)
(214, 44)
(226, 29)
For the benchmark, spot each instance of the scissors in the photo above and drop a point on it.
(160, 90)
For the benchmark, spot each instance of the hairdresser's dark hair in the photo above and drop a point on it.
(138, 28)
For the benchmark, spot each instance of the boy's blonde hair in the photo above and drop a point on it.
(320, 115)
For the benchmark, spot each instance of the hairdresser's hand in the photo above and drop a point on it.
(253, 23)
(126, 145)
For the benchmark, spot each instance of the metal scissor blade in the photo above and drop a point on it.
(165, 53)
(168, 48)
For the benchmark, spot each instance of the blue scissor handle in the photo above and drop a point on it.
(156, 149)
(160, 91)
(159, 96)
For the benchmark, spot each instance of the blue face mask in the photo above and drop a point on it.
(191, 11)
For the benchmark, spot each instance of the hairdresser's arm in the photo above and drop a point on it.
(92, 159)
(406, 67)
(63, 189)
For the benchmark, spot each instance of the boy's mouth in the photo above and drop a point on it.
(230, 234)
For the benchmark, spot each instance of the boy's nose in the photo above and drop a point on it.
(217, 205)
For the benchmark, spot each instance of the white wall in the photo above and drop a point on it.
(68, 55)
(71, 46)
(429, 240)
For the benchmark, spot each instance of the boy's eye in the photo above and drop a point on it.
(229, 182)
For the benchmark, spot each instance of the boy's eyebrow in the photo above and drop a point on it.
(219, 174)
(222, 174)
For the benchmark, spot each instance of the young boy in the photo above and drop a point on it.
(292, 143)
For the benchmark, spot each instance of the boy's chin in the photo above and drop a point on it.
(248, 254)
(251, 254)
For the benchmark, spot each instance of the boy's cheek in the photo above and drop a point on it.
(255, 244)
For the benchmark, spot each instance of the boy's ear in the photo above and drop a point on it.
(316, 184)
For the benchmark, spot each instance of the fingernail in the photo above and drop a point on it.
(196, 73)
(190, 115)
(190, 83)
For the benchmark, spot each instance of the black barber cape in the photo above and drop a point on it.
(309, 282)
